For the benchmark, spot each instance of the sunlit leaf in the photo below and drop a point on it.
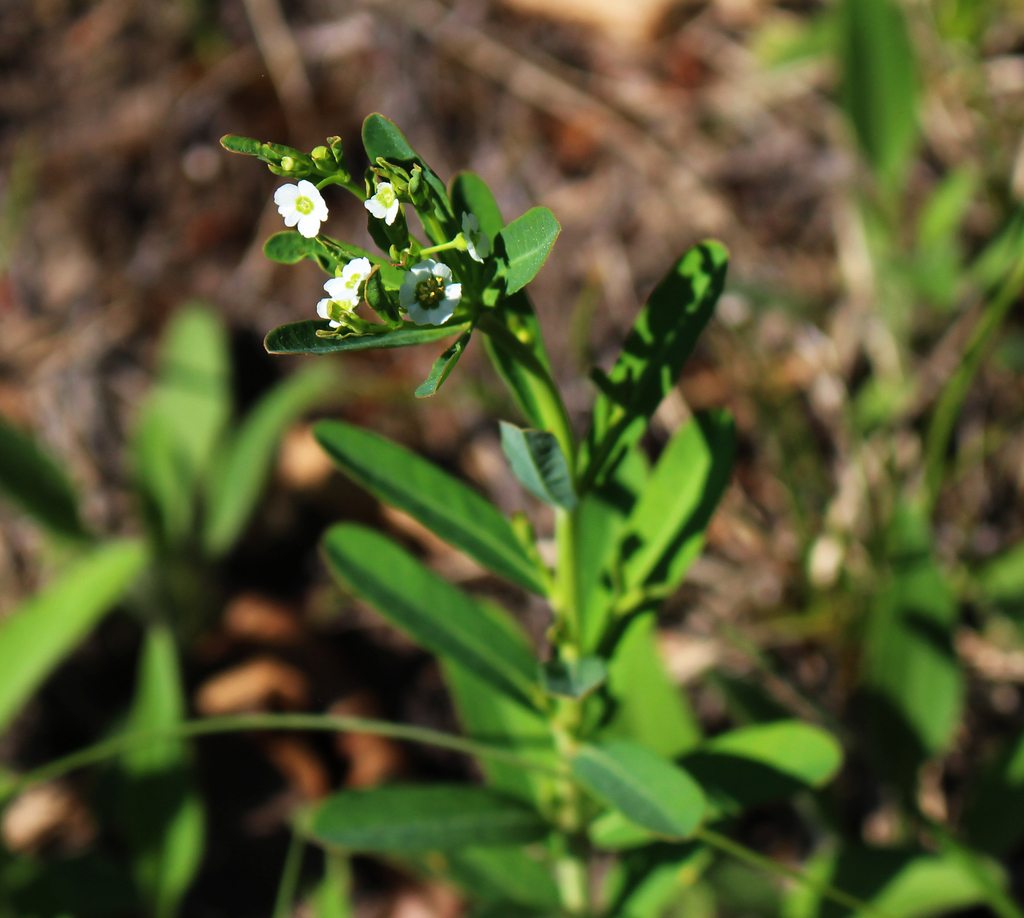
(538, 462)
(301, 337)
(442, 367)
(524, 244)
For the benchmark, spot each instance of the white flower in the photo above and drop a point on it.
(346, 288)
(384, 204)
(301, 204)
(478, 243)
(427, 293)
(328, 308)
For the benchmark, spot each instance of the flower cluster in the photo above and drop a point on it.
(428, 294)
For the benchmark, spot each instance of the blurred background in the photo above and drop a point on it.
(862, 162)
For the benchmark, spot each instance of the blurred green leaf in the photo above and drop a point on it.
(574, 678)
(662, 339)
(446, 506)
(163, 813)
(182, 420)
(994, 815)
(645, 884)
(442, 367)
(243, 465)
(300, 338)
(441, 817)
(665, 531)
(538, 462)
(1001, 580)
(470, 194)
(943, 212)
(646, 788)
(911, 672)
(879, 83)
(763, 762)
(488, 715)
(30, 478)
(93, 885)
(440, 617)
(899, 883)
(504, 874)
(524, 245)
(37, 635)
(648, 707)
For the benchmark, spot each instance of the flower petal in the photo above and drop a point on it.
(308, 225)
(286, 194)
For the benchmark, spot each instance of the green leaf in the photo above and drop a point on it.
(647, 883)
(470, 194)
(665, 531)
(410, 819)
(661, 341)
(331, 897)
(440, 617)
(235, 143)
(525, 244)
(446, 506)
(902, 883)
(240, 474)
(648, 708)
(164, 815)
(442, 367)
(614, 832)
(500, 875)
(911, 672)
(879, 83)
(764, 762)
(301, 338)
(289, 247)
(574, 678)
(539, 463)
(37, 635)
(646, 788)
(1001, 580)
(182, 420)
(30, 478)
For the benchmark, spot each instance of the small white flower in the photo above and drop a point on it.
(301, 205)
(346, 288)
(478, 243)
(428, 294)
(384, 204)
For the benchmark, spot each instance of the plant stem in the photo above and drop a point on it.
(568, 590)
(951, 399)
(116, 745)
(289, 884)
(748, 856)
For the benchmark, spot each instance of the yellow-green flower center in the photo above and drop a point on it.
(303, 205)
(430, 291)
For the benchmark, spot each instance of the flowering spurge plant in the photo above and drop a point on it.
(587, 749)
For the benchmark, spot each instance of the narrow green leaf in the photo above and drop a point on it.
(539, 463)
(525, 244)
(661, 341)
(576, 678)
(301, 338)
(879, 83)
(646, 788)
(490, 716)
(182, 420)
(410, 819)
(665, 531)
(648, 708)
(1001, 579)
(440, 617)
(163, 813)
(911, 672)
(238, 478)
(30, 478)
(442, 367)
(764, 762)
(332, 896)
(44, 629)
(446, 506)
(235, 143)
(470, 194)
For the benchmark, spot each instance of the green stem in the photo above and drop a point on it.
(289, 884)
(953, 394)
(459, 242)
(358, 190)
(567, 593)
(117, 745)
(748, 856)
